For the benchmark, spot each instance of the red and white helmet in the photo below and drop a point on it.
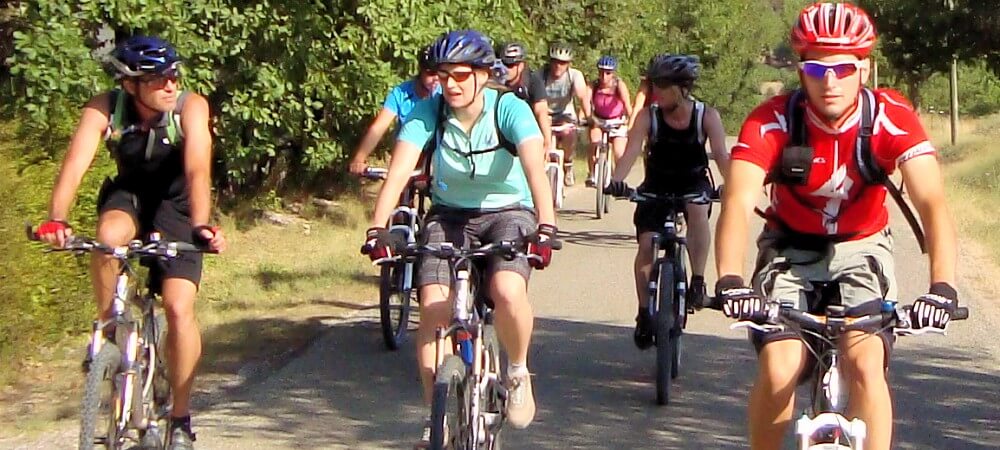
(834, 27)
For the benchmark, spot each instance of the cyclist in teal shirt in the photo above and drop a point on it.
(397, 106)
(488, 185)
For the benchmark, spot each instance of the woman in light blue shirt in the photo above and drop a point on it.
(489, 185)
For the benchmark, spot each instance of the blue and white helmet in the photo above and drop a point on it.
(607, 62)
(144, 55)
(464, 47)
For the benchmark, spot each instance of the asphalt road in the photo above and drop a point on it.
(593, 388)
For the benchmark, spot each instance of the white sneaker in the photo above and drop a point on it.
(521, 400)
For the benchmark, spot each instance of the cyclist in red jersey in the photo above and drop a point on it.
(831, 226)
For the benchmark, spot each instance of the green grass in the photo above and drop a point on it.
(972, 171)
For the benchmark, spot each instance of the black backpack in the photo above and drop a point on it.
(796, 157)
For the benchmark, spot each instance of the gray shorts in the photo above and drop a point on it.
(863, 270)
(470, 229)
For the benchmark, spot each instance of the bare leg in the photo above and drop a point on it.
(773, 394)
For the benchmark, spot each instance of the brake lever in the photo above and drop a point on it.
(919, 331)
(766, 328)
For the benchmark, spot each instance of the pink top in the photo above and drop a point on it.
(608, 106)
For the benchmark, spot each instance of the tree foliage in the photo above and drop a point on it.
(294, 83)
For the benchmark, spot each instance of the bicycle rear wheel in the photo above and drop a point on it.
(449, 406)
(394, 304)
(664, 332)
(98, 413)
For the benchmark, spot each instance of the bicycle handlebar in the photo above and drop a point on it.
(446, 250)
(777, 315)
(134, 249)
(698, 198)
(379, 173)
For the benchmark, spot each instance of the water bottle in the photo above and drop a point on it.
(465, 347)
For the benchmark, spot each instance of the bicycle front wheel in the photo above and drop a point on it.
(394, 304)
(665, 332)
(552, 174)
(600, 181)
(98, 413)
(604, 183)
(494, 400)
(449, 406)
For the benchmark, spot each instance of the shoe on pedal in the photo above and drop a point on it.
(643, 335)
(568, 178)
(425, 437)
(521, 400)
(697, 294)
(181, 438)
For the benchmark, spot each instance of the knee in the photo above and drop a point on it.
(178, 301)
(507, 293)
(114, 233)
(866, 368)
(435, 310)
(779, 368)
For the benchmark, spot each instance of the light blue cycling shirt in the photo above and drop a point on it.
(491, 180)
(403, 98)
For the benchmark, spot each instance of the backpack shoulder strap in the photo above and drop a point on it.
(503, 141)
(699, 116)
(795, 119)
(870, 170)
(431, 145)
(174, 131)
(654, 123)
(117, 112)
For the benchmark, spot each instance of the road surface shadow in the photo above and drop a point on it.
(593, 389)
(595, 238)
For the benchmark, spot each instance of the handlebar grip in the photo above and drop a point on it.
(714, 303)
(556, 244)
(961, 313)
(30, 232)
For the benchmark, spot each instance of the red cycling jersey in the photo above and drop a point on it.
(835, 200)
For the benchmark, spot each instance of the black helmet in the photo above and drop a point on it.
(681, 70)
(424, 60)
(512, 53)
(463, 47)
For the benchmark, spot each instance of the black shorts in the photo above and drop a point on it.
(650, 216)
(170, 217)
(470, 229)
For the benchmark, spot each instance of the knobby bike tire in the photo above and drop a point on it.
(664, 331)
(607, 179)
(394, 304)
(160, 393)
(493, 401)
(680, 311)
(553, 175)
(599, 184)
(99, 393)
(449, 413)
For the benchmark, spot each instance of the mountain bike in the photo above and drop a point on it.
(668, 284)
(396, 292)
(602, 169)
(469, 404)
(823, 426)
(126, 398)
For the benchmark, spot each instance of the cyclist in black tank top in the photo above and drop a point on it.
(162, 144)
(676, 163)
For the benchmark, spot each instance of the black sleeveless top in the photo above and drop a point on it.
(675, 154)
(150, 162)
